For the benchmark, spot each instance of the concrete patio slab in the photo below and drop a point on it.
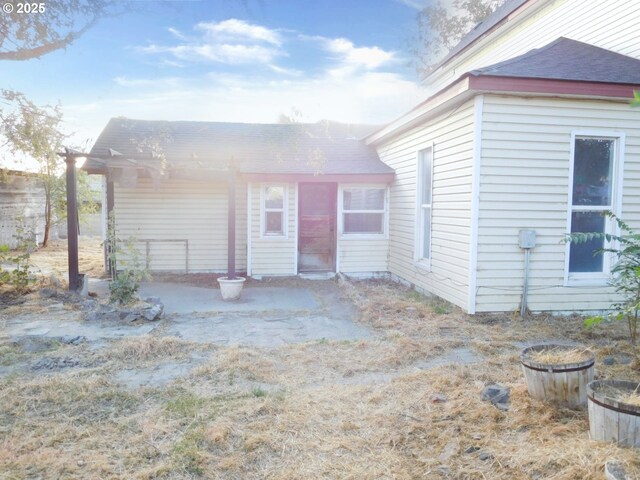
(182, 299)
(262, 330)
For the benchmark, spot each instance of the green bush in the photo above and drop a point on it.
(625, 274)
(18, 274)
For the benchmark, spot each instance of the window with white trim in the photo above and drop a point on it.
(593, 191)
(423, 207)
(273, 210)
(363, 210)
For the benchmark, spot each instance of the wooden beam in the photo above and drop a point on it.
(72, 221)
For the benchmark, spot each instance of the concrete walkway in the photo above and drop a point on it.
(264, 316)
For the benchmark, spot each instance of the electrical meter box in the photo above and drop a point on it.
(527, 238)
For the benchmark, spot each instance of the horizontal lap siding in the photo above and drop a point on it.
(363, 255)
(452, 137)
(608, 24)
(524, 184)
(177, 210)
(273, 256)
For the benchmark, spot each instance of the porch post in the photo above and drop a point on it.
(107, 245)
(231, 226)
(72, 221)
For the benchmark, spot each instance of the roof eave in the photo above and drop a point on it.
(438, 69)
(455, 93)
(471, 85)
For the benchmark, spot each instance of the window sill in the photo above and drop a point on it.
(363, 236)
(587, 282)
(424, 265)
(274, 237)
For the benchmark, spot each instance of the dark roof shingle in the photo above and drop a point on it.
(324, 147)
(566, 59)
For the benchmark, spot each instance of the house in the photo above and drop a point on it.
(529, 128)
(310, 198)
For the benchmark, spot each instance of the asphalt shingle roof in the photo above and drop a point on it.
(325, 147)
(566, 59)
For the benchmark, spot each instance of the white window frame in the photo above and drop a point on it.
(384, 211)
(284, 210)
(422, 260)
(617, 169)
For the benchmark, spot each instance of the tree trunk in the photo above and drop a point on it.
(47, 220)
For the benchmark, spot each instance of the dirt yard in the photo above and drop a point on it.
(392, 406)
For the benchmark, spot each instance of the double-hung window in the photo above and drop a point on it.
(594, 190)
(363, 210)
(423, 206)
(273, 211)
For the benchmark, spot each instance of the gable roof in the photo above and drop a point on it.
(566, 59)
(320, 148)
(483, 27)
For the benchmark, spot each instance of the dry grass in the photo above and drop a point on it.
(321, 409)
(53, 259)
(558, 355)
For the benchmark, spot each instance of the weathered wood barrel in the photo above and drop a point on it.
(610, 419)
(563, 384)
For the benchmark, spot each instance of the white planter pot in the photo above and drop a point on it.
(231, 289)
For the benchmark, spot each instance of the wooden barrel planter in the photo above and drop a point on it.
(558, 374)
(611, 418)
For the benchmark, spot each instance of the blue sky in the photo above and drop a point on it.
(229, 60)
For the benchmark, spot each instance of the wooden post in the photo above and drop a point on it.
(231, 226)
(72, 221)
(107, 246)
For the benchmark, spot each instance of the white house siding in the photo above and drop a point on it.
(609, 24)
(524, 184)
(179, 210)
(273, 255)
(452, 137)
(362, 255)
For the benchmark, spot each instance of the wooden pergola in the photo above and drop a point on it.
(148, 164)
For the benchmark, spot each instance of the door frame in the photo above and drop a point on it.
(334, 225)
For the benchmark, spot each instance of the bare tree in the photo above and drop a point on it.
(441, 28)
(48, 26)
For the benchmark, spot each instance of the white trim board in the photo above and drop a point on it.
(478, 106)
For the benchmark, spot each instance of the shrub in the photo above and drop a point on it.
(625, 274)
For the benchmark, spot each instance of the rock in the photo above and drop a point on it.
(132, 317)
(438, 398)
(55, 363)
(152, 300)
(614, 470)
(472, 449)
(624, 359)
(153, 313)
(484, 456)
(74, 340)
(608, 361)
(477, 437)
(497, 395)
(411, 309)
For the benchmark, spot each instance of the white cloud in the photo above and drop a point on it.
(232, 42)
(367, 57)
(239, 30)
(417, 4)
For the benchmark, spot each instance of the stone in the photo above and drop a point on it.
(438, 398)
(614, 470)
(497, 395)
(75, 340)
(153, 313)
(411, 309)
(484, 456)
(472, 449)
(608, 361)
(152, 300)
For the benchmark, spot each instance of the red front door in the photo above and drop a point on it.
(317, 227)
